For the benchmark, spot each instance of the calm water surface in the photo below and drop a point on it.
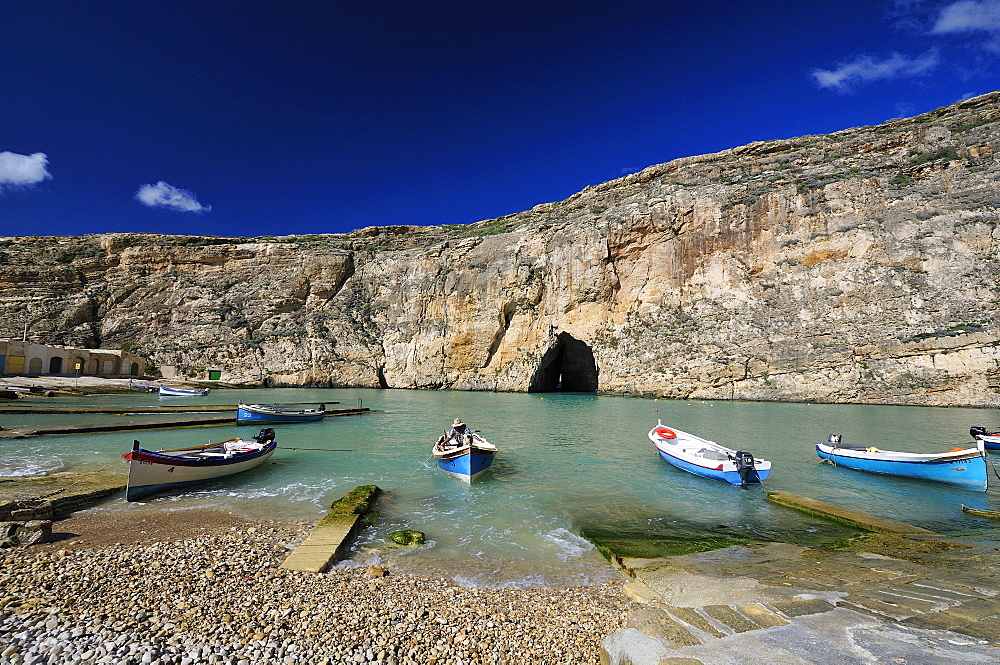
(567, 464)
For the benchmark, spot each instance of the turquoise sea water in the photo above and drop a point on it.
(567, 464)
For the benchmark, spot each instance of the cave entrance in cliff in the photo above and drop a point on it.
(568, 366)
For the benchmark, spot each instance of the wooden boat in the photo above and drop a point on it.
(963, 467)
(278, 413)
(153, 472)
(992, 514)
(991, 440)
(707, 458)
(465, 456)
(168, 391)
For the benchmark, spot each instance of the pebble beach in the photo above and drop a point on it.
(205, 587)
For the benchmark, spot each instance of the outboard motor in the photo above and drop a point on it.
(266, 435)
(833, 440)
(978, 431)
(745, 467)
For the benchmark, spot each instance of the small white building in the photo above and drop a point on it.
(18, 358)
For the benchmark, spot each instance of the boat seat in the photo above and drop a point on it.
(212, 454)
(713, 454)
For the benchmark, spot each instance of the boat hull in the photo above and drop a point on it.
(467, 466)
(990, 441)
(152, 473)
(731, 476)
(966, 470)
(248, 414)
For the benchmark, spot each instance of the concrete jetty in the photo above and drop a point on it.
(218, 415)
(331, 537)
(844, 515)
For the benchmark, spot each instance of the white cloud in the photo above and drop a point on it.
(163, 195)
(865, 68)
(969, 16)
(23, 170)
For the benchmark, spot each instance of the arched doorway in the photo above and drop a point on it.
(55, 365)
(134, 369)
(567, 366)
(35, 366)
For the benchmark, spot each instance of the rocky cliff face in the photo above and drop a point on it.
(860, 266)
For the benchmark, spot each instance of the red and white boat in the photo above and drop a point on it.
(707, 458)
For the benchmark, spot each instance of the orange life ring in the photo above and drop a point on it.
(665, 433)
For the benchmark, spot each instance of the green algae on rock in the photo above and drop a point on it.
(407, 537)
(356, 502)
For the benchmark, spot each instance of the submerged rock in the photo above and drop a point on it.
(407, 537)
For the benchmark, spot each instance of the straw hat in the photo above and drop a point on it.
(458, 421)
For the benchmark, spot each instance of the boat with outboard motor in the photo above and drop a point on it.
(991, 440)
(707, 458)
(964, 467)
(463, 452)
(153, 472)
(278, 413)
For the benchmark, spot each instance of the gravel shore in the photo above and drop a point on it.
(204, 587)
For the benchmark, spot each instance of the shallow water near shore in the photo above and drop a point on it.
(568, 464)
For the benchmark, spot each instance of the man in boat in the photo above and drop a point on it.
(460, 432)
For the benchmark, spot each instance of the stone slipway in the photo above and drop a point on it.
(330, 538)
(897, 594)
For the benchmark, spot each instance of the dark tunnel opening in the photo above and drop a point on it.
(568, 366)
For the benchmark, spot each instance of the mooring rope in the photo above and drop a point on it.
(81, 478)
(420, 466)
(328, 450)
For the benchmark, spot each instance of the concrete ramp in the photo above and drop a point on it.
(844, 515)
(331, 537)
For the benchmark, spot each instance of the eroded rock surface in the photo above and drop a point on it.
(859, 266)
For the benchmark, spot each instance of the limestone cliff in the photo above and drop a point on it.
(858, 266)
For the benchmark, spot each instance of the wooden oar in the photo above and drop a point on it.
(992, 514)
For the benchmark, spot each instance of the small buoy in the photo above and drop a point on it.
(541, 398)
(656, 410)
(656, 399)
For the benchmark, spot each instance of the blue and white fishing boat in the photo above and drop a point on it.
(154, 472)
(963, 467)
(278, 413)
(991, 440)
(169, 391)
(707, 458)
(463, 453)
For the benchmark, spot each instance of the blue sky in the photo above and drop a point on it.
(246, 118)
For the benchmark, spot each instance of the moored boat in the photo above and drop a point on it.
(706, 458)
(170, 391)
(278, 413)
(991, 440)
(964, 467)
(153, 472)
(463, 452)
